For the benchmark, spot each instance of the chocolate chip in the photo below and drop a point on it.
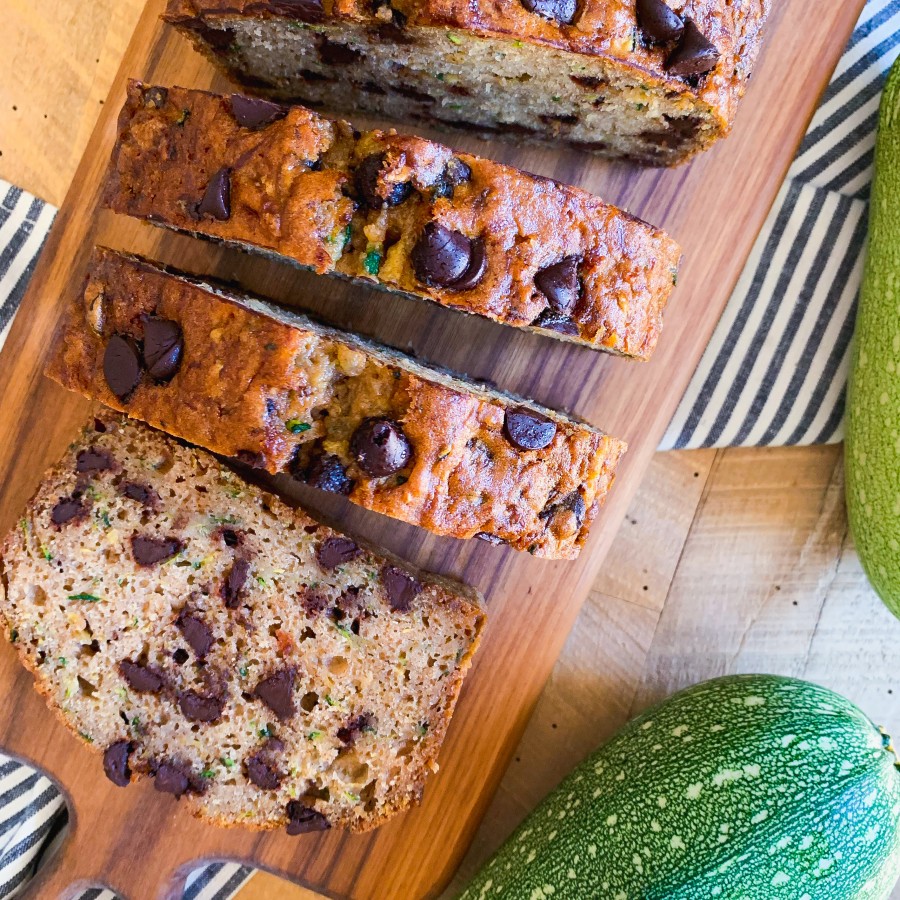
(155, 97)
(380, 447)
(67, 509)
(230, 537)
(99, 426)
(180, 656)
(234, 583)
(172, 778)
(277, 692)
(574, 503)
(591, 82)
(251, 112)
(559, 284)
(140, 678)
(216, 200)
(375, 192)
(93, 460)
(694, 55)
(488, 538)
(196, 632)
(163, 346)
(327, 473)
(115, 763)
(555, 322)
(475, 270)
(122, 365)
(148, 551)
(441, 256)
(559, 10)
(313, 601)
(455, 173)
(348, 733)
(658, 23)
(262, 773)
(527, 429)
(333, 53)
(141, 493)
(401, 588)
(198, 708)
(302, 819)
(336, 551)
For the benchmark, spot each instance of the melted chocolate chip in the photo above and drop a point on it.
(234, 583)
(262, 772)
(93, 460)
(67, 510)
(163, 346)
(401, 588)
(527, 429)
(327, 473)
(141, 493)
(574, 503)
(559, 284)
(302, 819)
(455, 173)
(347, 734)
(148, 551)
(198, 708)
(562, 11)
(380, 447)
(115, 763)
(140, 678)
(658, 23)
(122, 365)
(172, 778)
(216, 200)
(277, 692)
(230, 537)
(333, 53)
(694, 55)
(475, 270)
(555, 322)
(375, 192)
(441, 256)
(251, 112)
(196, 632)
(336, 551)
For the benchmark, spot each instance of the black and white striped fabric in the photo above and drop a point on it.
(774, 372)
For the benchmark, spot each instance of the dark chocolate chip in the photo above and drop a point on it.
(115, 763)
(574, 503)
(155, 97)
(658, 23)
(141, 493)
(559, 284)
(196, 632)
(558, 10)
(694, 55)
(99, 426)
(348, 733)
(401, 588)
(122, 365)
(216, 200)
(231, 537)
(555, 322)
(488, 538)
(140, 678)
(327, 473)
(440, 256)
(527, 429)
(277, 692)
(163, 346)
(67, 509)
(261, 771)
(172, 778)
(93, 460)
(336, 551)
(302, 819)
(455, 173)
(313, 601)
(252, 112)
(475, 270)
(234, 583)
(591, 82)
(375, 192)
(198, 708)
(333, 53)
(380, 447)
(148, 551)
(181, 656)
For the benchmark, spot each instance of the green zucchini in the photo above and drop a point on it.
(749, 787)
(872, 453)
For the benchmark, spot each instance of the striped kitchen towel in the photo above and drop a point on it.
(774, 372)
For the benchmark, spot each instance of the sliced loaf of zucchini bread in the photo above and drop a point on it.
(194, 629)
(397, 211)
(248, 379)
(653, 80)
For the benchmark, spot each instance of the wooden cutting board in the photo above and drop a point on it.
(141, 843)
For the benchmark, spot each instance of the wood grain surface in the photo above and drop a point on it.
(714, 208)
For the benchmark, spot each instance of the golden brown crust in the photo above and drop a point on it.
(289, 395)
(293, 192)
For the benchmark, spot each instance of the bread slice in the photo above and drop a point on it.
(248, 379)
(635, 78)
(195, 629)
(400, 212)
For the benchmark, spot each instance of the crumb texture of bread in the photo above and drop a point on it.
(397, 211)
(196, 630)
(251, 380)
(590, 74)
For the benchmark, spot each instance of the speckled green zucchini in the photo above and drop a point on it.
(743, 788)
(873, 422)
